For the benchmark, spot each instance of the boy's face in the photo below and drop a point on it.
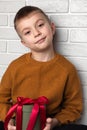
(36, 32)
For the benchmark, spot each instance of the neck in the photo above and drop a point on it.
(43, 56)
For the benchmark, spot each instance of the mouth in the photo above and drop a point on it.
(41, 40)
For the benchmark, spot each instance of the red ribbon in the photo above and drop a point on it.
(17, 108)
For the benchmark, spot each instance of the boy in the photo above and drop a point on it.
(42, 72)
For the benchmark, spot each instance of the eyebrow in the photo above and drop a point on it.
(27, 28)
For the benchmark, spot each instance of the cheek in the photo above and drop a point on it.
(47, 32)
(50, 34)
(27, 39)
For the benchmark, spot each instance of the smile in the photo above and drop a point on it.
(40, 41)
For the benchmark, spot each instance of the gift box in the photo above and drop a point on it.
(27, 109)
(30, 113)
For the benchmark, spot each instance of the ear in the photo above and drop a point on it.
(53, 28)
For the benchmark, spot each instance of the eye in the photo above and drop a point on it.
(28, 32)
(40, 25)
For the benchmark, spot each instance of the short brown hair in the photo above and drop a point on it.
(25, 11)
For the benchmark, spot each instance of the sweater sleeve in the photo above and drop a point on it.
(5, 93)
(72, 100)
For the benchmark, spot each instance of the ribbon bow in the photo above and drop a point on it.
(38, 106)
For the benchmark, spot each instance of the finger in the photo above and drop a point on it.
(12, 122)
(10, 127)
(49, 120)
(48, 124)
(47, 127)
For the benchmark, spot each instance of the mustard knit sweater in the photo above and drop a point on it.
(56, 79)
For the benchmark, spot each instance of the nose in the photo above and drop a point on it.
(36, 32)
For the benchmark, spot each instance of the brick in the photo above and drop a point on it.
(78, 35)
(69, 20)
(8, 33)
(2, 70)
(11, 6)
(2, 46)
(50, 5)
(11, 20)
(61, 35)
(83, 77)
(85, 92)
(72, 49)
(83, 119)
(3, 20)
(79, 62)
(7, 58)
(16, 47)
(79, 6)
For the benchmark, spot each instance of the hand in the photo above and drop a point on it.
(11, 125)
(50, 123)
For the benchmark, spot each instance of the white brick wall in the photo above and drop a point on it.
(70, 18)
(9, 47)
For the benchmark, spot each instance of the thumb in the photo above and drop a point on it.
(49, 120)
(48, 124)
